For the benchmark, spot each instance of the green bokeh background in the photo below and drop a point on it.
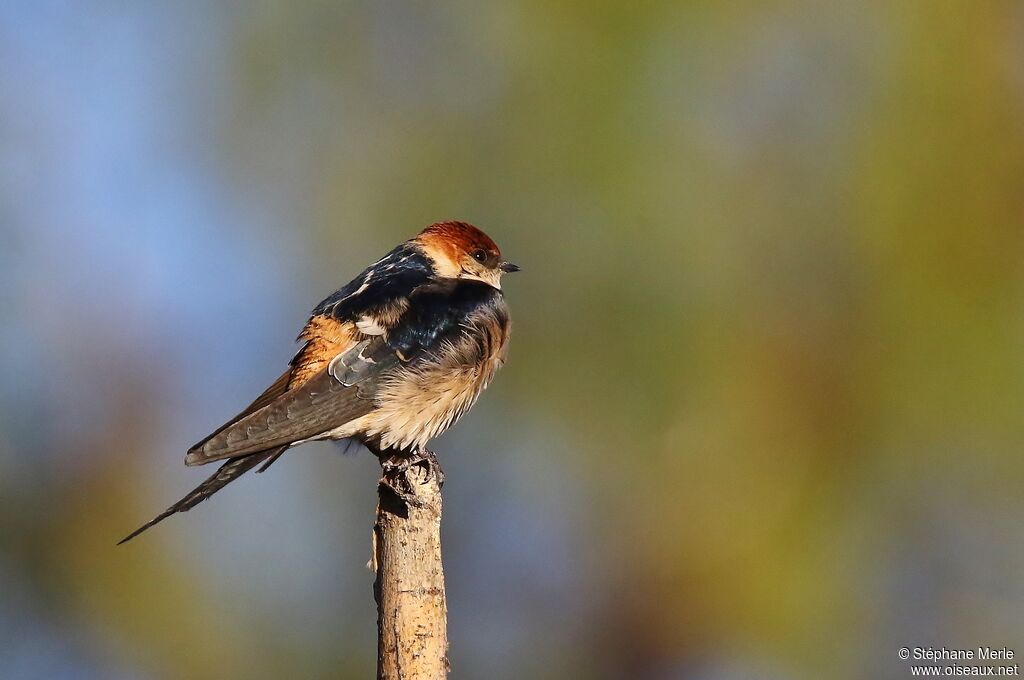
(762, 415)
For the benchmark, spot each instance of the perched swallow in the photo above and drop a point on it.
(392, 360)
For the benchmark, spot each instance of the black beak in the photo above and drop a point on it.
(508, 267)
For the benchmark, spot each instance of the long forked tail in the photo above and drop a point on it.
(227, 473)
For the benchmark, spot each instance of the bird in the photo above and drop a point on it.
(391, 360)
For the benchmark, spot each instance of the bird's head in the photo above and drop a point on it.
(459, 250)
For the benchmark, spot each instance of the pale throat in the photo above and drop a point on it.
(492, 281)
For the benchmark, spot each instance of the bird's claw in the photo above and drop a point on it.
(397, 465)
(429, 461)
(398, 483)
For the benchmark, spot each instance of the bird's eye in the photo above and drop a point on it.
(479, 255)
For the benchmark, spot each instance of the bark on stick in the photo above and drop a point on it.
(412, 635)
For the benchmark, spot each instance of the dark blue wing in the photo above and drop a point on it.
(387, 281)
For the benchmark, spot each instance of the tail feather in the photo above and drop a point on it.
(271, 460)
(225, 474)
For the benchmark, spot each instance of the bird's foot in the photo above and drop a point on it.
(395, 479)
(428, 460)
(397, 465)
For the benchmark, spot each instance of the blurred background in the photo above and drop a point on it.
(762, 415)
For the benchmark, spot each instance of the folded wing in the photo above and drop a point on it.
(336, 395)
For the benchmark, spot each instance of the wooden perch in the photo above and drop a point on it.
(412, 635)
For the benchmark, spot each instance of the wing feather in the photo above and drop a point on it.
(339, 393)
(279, 387)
